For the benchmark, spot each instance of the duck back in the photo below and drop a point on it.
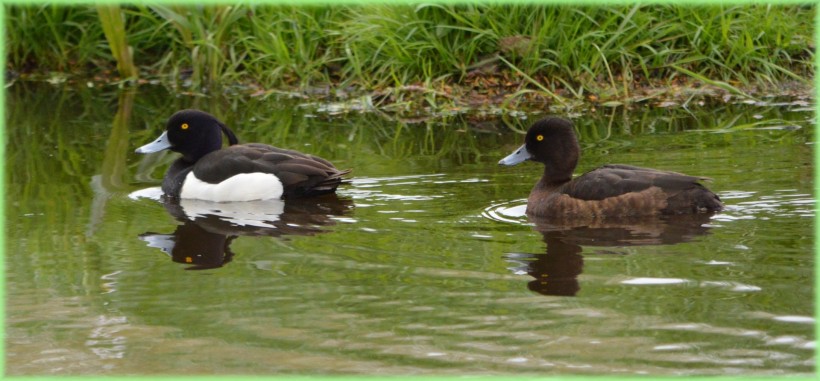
(623, 190)
(300, 174)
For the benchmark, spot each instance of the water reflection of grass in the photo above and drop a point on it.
(75, 126)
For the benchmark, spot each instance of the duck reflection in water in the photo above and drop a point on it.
(602, 207)
(557, 271)
(208, 229)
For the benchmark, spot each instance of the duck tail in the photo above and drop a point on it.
(328, 184)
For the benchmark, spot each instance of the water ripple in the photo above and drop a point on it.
(513, 212)
(375, 188)
(782, 203)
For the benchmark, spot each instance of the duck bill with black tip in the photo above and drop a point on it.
(160, 144)
(519, 156)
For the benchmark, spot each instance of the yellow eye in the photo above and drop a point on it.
(539, 137)
(184, 126)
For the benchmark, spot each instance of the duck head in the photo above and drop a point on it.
(193, 133)
(552, 142)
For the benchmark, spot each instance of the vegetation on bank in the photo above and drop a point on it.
(460, 54)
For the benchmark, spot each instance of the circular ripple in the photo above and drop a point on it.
(509, 212)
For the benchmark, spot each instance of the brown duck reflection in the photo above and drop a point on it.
(204, 238)
(556, 272)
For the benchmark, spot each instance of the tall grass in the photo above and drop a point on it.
(52, 38)
(553, 50)
(113, 25)
(290, 44)
(204, 39)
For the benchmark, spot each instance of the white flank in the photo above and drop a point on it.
(241, 187)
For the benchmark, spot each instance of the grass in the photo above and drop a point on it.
(551, 52)
(113, 25)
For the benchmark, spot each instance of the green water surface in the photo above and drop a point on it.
(423, 265)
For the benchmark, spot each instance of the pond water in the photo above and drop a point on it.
(424, 263)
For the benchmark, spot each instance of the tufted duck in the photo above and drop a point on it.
(612, 190)
(240, 172)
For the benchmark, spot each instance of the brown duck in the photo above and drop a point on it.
(613, 190)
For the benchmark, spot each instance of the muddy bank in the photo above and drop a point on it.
(484, 93)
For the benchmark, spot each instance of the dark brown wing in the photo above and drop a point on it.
(300, 173)
(684, 193)
(615, 180)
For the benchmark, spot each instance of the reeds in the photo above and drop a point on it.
(113, 25)
(575, 51)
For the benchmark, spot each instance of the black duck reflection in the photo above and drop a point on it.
(208, 229)
(556, 272)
